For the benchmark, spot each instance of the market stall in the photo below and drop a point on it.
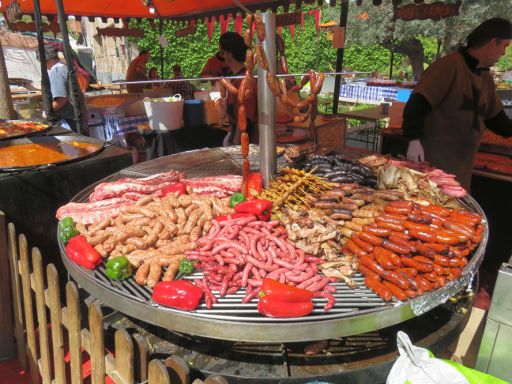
(367, 243)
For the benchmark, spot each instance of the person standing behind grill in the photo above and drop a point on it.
(58, 74)
(216, 65)
(137, 72)
(455, 100)
(184, 88)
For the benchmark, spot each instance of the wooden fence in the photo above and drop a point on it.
(63, 350)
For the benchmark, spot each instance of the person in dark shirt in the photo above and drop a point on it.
(455, 100)
(184, 88)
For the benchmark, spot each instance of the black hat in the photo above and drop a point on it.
(495, 28)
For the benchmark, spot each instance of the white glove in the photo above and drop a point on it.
(415, 151)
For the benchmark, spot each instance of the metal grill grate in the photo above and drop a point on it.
(355, 311)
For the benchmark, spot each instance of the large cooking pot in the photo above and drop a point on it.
(69, 145)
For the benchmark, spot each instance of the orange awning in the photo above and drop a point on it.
(173, 9)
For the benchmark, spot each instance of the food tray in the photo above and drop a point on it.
(28, 134)
(356, 311)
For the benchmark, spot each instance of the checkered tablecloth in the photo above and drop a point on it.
(116, 125)
(368, 92)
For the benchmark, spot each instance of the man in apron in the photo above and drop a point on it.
(455, 100)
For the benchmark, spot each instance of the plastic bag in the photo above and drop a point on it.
(419, 366)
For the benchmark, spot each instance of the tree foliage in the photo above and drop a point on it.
(370, 30)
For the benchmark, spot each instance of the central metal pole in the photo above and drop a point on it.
(267, 104)
(339, 58)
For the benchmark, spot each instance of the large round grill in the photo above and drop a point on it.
(356, 310)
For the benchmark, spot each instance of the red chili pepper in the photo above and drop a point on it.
(261, 208)
(179, 294)
(282, 300)
(179, 187)
(253, 185)
(82, 253)
(284, 292)
(233, 216)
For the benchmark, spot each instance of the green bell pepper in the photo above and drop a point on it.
(118, 268)
(67, 229)
(66, 222)
(186, 266)
(237, 198)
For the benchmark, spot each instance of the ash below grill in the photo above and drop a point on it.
(355, 312)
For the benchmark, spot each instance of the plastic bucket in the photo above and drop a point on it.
(193, 114)
(165, 114)
(403, 95)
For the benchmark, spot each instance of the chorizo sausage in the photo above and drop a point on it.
(261, 57)
(446, 237)
(408, 270)
(410, 279)
(395, 247)
(379, 289)
(443, 261)
(229, 87)
(423, 259)
(370, 263)
(392, 226)
(397, 292)
(427, 236)
(399, 210)
(383, 259)
(423, 283)
(459, 227)
(376, 231)
(260, 27)
(369, 238)
(418, 265)
(396, 279)
(354, 248)
(367, 272)
(436, 209)
(361, 243)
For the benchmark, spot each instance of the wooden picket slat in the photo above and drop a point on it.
(44, 347)
(157, 373)
(6, 323)
(179, 369)
(27, 304)
(142, 353)
(97, 344)
(74, 332)
(19, 323)
(124, 357)
(53, 300)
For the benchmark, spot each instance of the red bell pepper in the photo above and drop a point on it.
(253, 186)
(233, 216)
(82, 253)
(274, 308)
(179, 187)
(282, 300)
(261, 208)
(179, 294)
(284, 292)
